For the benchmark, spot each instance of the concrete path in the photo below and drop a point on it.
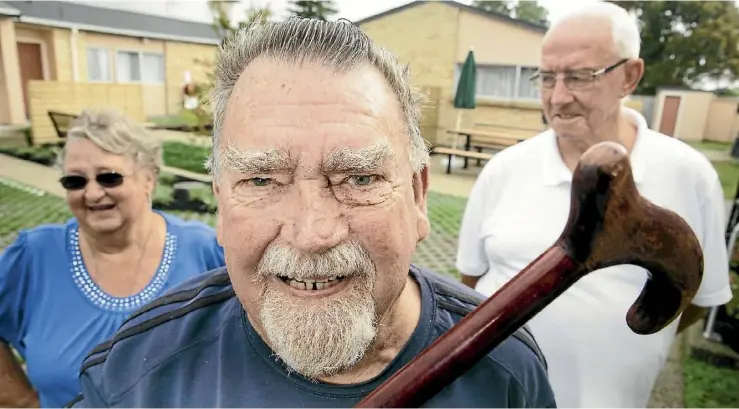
(32, 174)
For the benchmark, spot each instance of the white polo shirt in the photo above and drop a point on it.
(518, 208)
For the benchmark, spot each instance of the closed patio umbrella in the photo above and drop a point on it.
(465, 95)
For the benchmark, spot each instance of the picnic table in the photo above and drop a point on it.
(479, 140)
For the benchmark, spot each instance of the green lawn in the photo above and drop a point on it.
(185, 156)
(184, 118)
(728, 173)
(707, 386)
(710, 145)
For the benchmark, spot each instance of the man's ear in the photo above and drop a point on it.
(634, 70)
(420, 196)
(219, 221)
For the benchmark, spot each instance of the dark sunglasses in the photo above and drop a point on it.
(106, 180)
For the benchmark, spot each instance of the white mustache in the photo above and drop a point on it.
(344, 260)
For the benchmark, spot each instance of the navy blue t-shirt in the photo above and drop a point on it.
(195, 347)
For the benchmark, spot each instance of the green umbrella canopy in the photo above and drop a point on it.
(465, 97)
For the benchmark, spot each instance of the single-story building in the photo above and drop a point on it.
(89, 55)
(696, 115)
(434, 38)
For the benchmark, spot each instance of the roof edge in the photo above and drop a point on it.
(116, 31)
(6, 10)
(471, 9)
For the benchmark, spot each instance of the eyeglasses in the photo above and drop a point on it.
(106, 180)
(577, 79)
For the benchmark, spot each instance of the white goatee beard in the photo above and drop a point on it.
(319, 338)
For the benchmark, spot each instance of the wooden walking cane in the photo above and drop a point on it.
(609, 224)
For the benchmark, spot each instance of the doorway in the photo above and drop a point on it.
(670, 108)
(31, 65)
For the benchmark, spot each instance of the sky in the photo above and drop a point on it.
(353, 10)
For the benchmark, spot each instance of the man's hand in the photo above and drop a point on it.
(690, 316)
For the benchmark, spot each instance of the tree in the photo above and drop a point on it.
(685, 43)
(525, 10)
(222, 24)
(531, 11)
(320, 10)
(503, 7)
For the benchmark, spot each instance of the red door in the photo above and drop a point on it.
(670, 109)
(29, 59)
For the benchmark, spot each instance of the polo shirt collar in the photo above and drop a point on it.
(555, 172)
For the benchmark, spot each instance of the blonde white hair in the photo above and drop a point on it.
(114, 132)
(624, 26)
(337, 45)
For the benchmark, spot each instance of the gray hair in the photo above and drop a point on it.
(116, 133)
(338, 45)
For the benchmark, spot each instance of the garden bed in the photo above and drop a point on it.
(45, 154)
(178, 193)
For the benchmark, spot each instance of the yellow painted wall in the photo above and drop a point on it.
(62, 54)
(12, 110)
(182, 57)
(425, 37)
(692, 113)
(433, 37)
(722, 123)
(153, 95)
(70, 97)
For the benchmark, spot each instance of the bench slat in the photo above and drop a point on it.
(458, 152)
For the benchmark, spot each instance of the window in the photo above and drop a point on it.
(128, 67)
(134, 66)
(509, 82)
(98, 64)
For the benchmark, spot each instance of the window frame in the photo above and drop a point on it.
(141, 55)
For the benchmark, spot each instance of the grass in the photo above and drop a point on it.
(710, 145)
(184, 118)
(185, 156)
(728, 173)
(707, 386)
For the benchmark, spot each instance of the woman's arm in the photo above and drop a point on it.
(16, 391)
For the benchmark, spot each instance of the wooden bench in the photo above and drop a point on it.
(61, 121)
(451, 152)
(479, 140)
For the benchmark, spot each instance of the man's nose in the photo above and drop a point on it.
(560, 94)
(317, 224)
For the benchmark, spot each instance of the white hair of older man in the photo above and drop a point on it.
(319, 338)
(624, 26)
(337, 45)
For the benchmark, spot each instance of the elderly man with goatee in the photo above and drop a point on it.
(321, 177)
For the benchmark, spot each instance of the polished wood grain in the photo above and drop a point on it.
(609, 224)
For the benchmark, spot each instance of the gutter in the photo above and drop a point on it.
(117, 31)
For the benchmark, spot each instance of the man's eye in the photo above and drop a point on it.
(361, 180)
(258, 182)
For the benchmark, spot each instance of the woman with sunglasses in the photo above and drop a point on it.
(66, 288)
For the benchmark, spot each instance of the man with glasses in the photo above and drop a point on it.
(520, 204)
